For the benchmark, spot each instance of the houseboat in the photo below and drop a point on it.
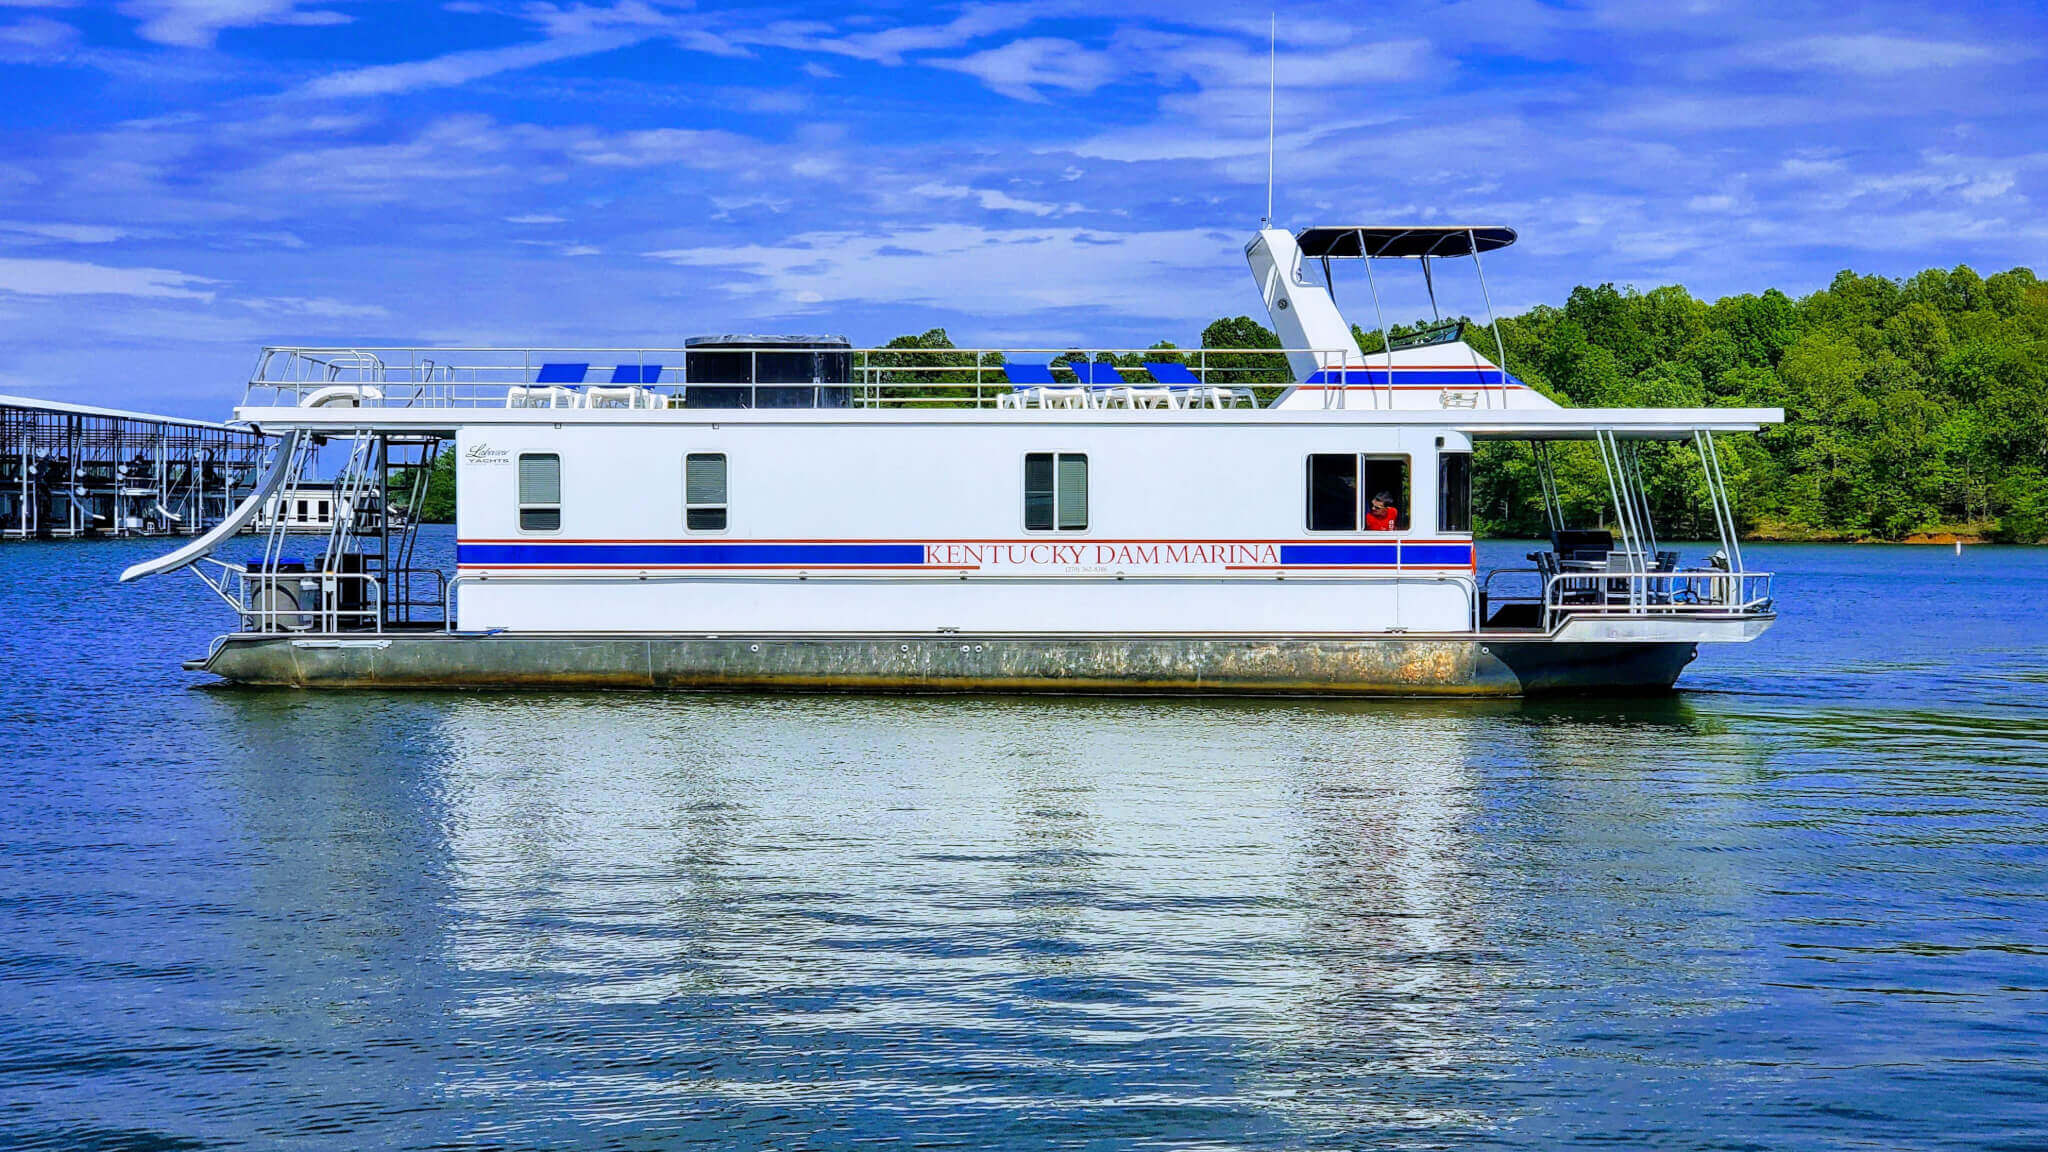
(750, 512)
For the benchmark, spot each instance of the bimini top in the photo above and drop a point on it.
(1332, 243)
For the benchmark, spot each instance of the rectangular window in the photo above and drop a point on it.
(302, 511)
(540, 492)
(1055, 492)
(1333, 493)
(704, 492)
(1384, 494)
(1348, 492)
(1454, 492)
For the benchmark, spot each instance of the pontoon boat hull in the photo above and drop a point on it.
(1155, 665)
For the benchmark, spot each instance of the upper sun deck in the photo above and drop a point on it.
(813, 373)
(1429, 379)
(1431, 370)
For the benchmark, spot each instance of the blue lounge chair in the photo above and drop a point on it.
(637, 374)
(1197, 393)
(1028, 375)
(1171, 374)
(1030, 382)
(551, 388)
(1098, 375)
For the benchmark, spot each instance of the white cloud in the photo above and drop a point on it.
(68, 233)
(1022, 67)
(1871, 54)
(458, 68)
(36, 36)
(892, 45)
(692, 147)
(318, 306)
(999, 272)
(569, 31)
(535, 218)
(195, 23)
(76, 278)
(991, 200)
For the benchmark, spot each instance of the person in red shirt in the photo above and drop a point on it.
(1382, 516)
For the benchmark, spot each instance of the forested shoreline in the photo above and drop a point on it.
(1914, 408)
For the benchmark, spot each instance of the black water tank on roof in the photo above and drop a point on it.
(768, 372)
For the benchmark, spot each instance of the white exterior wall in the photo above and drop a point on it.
(1229, 497)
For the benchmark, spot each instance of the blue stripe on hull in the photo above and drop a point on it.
(1436, 554)
(1338, 554)
(1377, 377)
(683, 555)
(745, 555)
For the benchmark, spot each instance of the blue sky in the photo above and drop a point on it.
(183, 181)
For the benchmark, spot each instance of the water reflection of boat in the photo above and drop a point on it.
(746, 512)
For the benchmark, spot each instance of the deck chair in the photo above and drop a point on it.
(1175, 378)
(1029, 382)
(626, 391)
(549, 388)
(1104, 383)
(1197, 393)
(637, 374)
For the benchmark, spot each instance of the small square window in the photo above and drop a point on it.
(1055, 492)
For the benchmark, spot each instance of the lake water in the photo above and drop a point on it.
(1803, 904)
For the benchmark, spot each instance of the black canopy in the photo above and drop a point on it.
(1385, 241)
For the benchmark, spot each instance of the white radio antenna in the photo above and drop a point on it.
(1272, 82)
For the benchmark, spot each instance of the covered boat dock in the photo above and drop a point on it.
(69, 471)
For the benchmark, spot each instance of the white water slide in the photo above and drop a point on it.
(266, 484)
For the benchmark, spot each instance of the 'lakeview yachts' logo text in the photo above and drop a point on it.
(485, 454)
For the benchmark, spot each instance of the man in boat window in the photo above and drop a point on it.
(1381, 515)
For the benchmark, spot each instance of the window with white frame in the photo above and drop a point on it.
(704, 500)
(1055, 492)
(1349, 492)
(540, 492)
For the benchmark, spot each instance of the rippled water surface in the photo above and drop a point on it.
(1804, 904)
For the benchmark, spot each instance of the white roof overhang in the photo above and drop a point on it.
(1624, 423)
(1482, 424)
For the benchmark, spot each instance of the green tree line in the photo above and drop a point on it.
(1911, 406)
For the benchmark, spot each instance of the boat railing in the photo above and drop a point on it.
(274, 601)
(1692, 593)
(778, 377)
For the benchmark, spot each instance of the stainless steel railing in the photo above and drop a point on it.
(295, 602)
(1694, 593)
(653, 378)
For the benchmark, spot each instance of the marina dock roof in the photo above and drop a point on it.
(41, 405)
